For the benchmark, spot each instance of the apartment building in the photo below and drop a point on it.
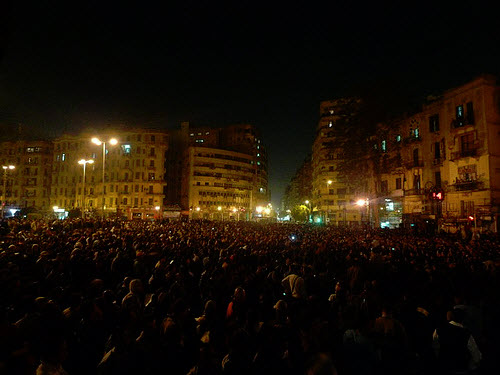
(441, 166)
(224, 172)
(26, 185)
(332, 194)
(124, 173)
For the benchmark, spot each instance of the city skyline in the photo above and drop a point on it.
(88, 64)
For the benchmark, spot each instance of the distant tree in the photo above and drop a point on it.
(300, 213)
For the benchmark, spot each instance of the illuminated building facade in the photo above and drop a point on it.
(224, 172)
(332, 197)
(134, 168)
(27, 186)
(444, 163)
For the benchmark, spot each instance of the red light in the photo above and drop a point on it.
(471, 218)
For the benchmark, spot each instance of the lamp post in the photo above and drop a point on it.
(310, 211)
(328, 184)
(84, 163)
(4, 193)
(98, 142)
(365, 203)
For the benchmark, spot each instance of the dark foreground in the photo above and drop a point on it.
(238, 298)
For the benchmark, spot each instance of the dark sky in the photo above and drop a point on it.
(68, 64)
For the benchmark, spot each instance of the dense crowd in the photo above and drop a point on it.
(200, 297)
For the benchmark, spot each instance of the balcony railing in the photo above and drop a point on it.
(438, 161)
(467, 185)
(464, 153)
(414, 192)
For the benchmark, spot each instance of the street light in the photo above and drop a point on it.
(98, 142)
(365, 203)
(4, 193)
(84, 163)
(310, 210)
(328, 184)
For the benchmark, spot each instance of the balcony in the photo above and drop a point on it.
(414, 192)
(414, 164)
(438, 161)
(461, 185)
(471, 152)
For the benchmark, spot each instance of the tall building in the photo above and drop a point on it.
(27, 186)
(300, 187)
(223, 173)
(333, 193)
(441, 166)
(127, 179)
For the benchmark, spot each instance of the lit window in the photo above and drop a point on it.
(207, 133)
(332, 111)
(94, 155)
(330, 124)
(258, 155)
(126, 149)
(191, 135)
(416, 133)
(398, 138)
(63, 157)
(384, 146)
(258, 163)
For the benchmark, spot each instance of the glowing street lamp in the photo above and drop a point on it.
(4, 193)
(84, 163)
(98, 142)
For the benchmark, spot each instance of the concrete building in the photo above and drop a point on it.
(333, 196)
(27, 186)
(130, 185)
(223, 173)
(440, 167)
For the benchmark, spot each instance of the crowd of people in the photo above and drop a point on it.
(201, 297)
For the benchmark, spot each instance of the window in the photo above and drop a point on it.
(136, 188)
(415, 158)
(416, 182)
(459, 114)
(136, 202)
(152, 151)
(124, 200)
(341, 191)
(398, 183)
(330, 124)
(437, 179)
(437, 150)
(127, 163)
(398, 138)
(153, 138)
(151, 163)
(150, 201)
(434, 123)
(384, 188)
(126, 149)
(151, 176)
(467, 144)
(150, 191)
(470, 113)
(384, 146)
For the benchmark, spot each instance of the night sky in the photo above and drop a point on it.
(69, 64)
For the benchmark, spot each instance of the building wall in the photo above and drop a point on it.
(222, 167)
(219, 178)
(332, 198)
(451, 145)
(28, 185)
(134, 184)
